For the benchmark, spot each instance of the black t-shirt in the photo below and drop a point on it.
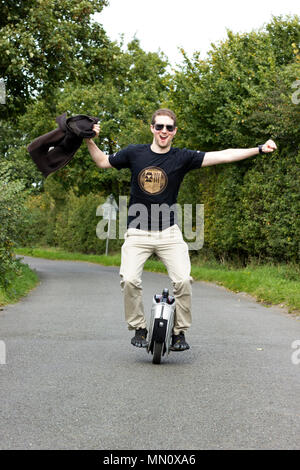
(155, 182)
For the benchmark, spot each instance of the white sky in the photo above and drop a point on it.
(192, 24)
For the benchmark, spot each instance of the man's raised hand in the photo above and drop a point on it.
(269, 146)
(96, 129)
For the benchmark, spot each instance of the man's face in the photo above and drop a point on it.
(163, 137)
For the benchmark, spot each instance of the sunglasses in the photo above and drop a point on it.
(159, 127)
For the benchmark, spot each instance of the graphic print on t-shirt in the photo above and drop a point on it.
(152, 180)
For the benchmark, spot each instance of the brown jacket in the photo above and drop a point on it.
(53, 150)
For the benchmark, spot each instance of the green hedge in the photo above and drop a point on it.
(70, 225)
(12, 221)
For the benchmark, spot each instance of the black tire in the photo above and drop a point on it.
(157, 352)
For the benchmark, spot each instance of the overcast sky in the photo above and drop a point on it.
(192, 24)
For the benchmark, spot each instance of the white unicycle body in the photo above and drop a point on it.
(161, 325)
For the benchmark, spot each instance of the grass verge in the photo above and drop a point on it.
(270, 284)
(19, 285)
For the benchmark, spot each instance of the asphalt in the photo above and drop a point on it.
(72, 380)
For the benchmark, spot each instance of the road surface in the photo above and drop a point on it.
(72, 380)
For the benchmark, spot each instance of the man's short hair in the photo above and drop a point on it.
(164, 112)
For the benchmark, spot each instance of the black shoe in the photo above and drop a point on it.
(139, 340)
(179, 343)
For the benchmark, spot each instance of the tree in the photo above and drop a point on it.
(11, 216)
(124, 103)
(239, 97)
(46, 43)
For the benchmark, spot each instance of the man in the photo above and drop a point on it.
(157, 171)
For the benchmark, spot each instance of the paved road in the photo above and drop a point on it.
(72, 380)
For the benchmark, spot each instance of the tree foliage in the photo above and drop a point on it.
(46, 43)
(239, 97)
(123, 103)
(55, 58)
(12, 218)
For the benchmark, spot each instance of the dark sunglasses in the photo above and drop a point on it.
(159, 127)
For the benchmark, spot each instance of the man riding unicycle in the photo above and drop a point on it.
(157, 170)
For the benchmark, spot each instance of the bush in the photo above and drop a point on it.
(76, 225)
(39, 223)
(11, 217)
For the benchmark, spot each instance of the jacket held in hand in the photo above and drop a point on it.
(53, 150)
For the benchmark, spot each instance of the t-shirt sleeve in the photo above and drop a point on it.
(193, 159)
(120, 159)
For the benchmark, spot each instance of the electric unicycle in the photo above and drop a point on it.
(161, 325)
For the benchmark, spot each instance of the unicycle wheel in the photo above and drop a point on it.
(157, 352)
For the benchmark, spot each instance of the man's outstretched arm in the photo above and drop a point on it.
(100, 158)
(234, 155)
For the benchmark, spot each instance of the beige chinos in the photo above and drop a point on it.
(170, 247)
